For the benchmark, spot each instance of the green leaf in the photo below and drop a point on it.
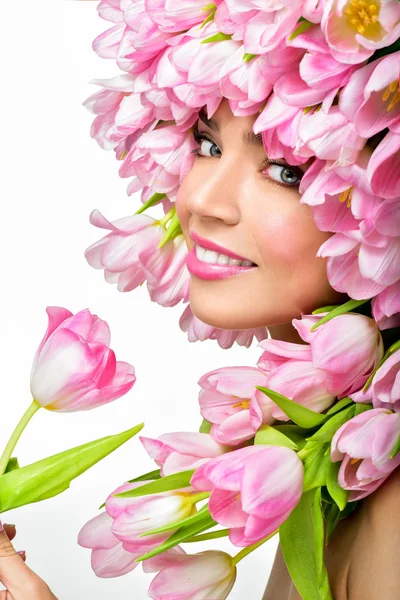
(339, 405)
(150, 476)
(205, 426)
(180, 536)
(174, 229)
(294, 432)
(247, 57)
(326, 432)
(300, 415)
(165, 484)
(331, 518)
(339, 310)
(51, 476)
(339, 495)
(209, 536)
(316, 465)
(302, 543)
(269, 435)
(360, 408)
(12, 464)
(324, 309)
(155, 199)
(218, 37)
(198, 516)
(301, 28)
(396, 449)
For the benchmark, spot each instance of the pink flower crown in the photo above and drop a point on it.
(323, 78)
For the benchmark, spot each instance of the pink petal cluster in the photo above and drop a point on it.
(229, 399)
(181, 451)
(199, 331)
(108, 557)
(364, 444)
(253, 490)
(129, 255)
(337, 360)
(181, 576)
(363, 254)
(384, 391)
(74, 367)
(137, 515)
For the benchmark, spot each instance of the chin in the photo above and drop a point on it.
(230, 313)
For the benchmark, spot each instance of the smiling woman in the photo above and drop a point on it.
(267, 137)
(248, 206)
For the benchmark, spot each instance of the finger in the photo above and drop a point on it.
(5, 595)
(15, 575)
(10, 531)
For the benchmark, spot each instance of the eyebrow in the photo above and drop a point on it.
(248, 137)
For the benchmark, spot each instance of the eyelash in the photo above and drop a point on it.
(199, 136)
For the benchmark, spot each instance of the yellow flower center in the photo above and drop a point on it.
(363, 17)
(346, 195)
(392, 95)
(355, 460)
(245, 404)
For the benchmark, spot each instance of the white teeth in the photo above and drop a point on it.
(211, 257)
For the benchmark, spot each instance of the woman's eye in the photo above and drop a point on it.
(284, 175)
(205, 146)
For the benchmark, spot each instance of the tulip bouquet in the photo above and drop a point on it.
(74, 369)
(292, 444)
(288, 446)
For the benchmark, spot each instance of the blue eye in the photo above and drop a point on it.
(283, 174)
(202, 140)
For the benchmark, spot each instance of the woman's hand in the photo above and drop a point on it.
(21, 582)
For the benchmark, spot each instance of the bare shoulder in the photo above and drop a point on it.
(374, 568)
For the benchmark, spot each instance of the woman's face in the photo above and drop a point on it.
(231, 199)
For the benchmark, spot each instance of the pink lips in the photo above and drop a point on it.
(211, 271)
(212, 246)
(205, 270)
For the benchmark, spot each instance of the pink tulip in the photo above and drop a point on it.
(386, 307)
(354, 36)
(181, 451)
(74, 367)
(174, 17)
(157, 156)
(384, 165)
(385, 386)
(230, 400)
(118, 252)
(371, 98)
(109, 558)
(329, 136)
(166, 272)
(197, 330)
(201, 576)
(137, 515)
(338, 359)
(253, 490)
(269, 27)
(364, 445)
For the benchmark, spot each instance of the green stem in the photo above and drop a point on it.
(240, 555)
(167, 217)
(26, 417)
(200, 496)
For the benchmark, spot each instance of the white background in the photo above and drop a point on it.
(52, 175)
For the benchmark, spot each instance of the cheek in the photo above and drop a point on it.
(288, 233)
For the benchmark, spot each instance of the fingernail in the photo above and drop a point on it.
(9, 525)
(22, 553)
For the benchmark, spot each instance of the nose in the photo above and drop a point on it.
(215, 196)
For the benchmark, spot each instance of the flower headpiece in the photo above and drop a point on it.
(278, 446)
